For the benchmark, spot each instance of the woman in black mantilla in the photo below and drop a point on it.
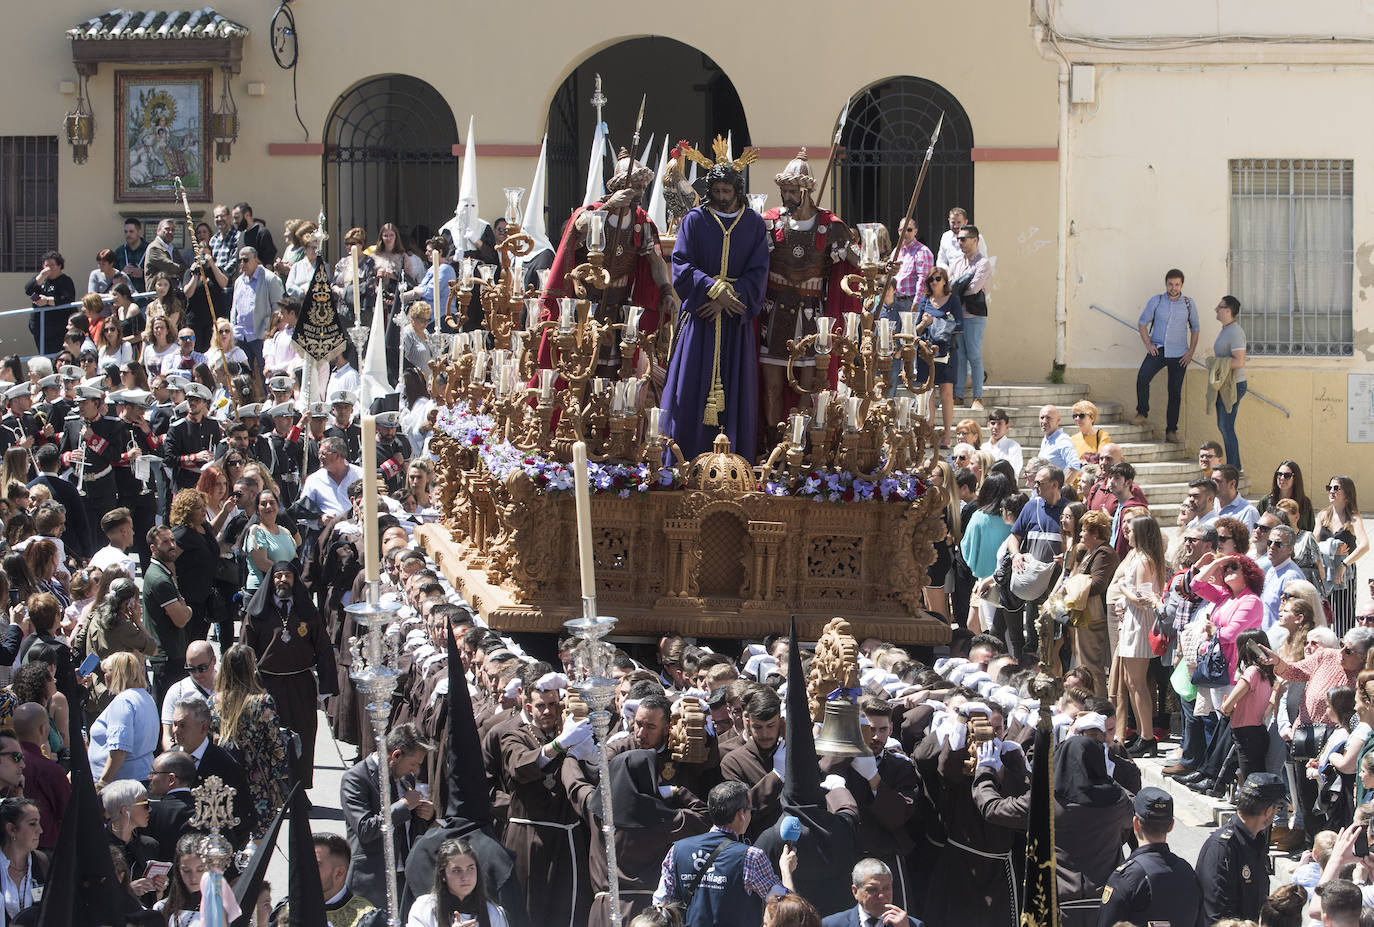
(292, 645)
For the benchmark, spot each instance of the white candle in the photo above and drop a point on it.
(825, 328)
(908, 323)
(798, 429)
(531, 313)
(517, 344)
(852, 411)
(596, 232)
(468, 269)
(546, 378)
(583, 495)
(371, 559)
(599, 385)
(436, 298)
(904, 413)
(655, 417)
(567, 313)
(851, 326)
(884, 332)
(822, 407)
(632, 316)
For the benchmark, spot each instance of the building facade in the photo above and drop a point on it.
(1095, 145)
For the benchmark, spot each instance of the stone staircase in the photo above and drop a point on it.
(1162, 469)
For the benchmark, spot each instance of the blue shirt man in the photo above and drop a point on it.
(1169, 329)
(1281, 570)
(1057, 447)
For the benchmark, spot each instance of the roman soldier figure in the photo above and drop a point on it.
(809, 251)
(634, 260)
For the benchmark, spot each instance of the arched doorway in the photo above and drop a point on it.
(885, 139)
(689, 96)
(389, 158)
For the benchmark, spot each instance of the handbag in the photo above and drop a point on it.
(1308, 739)
(1030, 583)
(1162, 634)
(1212, 669)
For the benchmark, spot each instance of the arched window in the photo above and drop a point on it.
(389, 158)
(689, 97)
(885, 139)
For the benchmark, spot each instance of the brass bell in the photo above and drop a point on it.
(840, 733)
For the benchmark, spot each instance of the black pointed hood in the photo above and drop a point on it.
(802, 783)
(250, 882)
(307, 895)
(82, 886)
(468, 798)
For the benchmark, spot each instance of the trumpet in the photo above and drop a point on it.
(81, 466)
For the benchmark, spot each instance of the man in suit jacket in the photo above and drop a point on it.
(871, 882)
(191, 733)
(170, 782)
(76, 537)
(411, 812)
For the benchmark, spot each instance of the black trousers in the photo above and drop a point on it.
(1252, 743)
(1149, 367)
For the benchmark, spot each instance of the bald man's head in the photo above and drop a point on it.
(1109, 454)
(31, 723)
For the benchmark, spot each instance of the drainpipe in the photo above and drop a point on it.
(1049, 50)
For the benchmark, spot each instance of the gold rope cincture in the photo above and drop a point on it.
(715, 399)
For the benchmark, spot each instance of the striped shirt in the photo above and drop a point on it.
(916, 261)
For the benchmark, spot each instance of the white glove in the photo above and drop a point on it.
(574, 733)
(832, 782)
(1009, 746)
(990, 755)
(585, 751)
(780, 761)
(866, 766)
(665, 792)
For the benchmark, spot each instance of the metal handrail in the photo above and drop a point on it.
(141, 298)
(1249, 390)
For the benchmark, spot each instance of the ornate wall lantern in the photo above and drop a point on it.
(80, 124)
(224, 121)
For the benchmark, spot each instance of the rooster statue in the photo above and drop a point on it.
(678, 195)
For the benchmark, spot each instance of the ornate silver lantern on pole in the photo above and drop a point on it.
(214, 811)
(373, 674)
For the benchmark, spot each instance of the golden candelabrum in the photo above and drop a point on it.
(859, 427)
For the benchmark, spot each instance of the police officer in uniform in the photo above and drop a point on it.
(393, 450)
(315, 433)
(1153, 886)
(65, 404)
(191, 441)
(92, 444)
(1233, 865)
(283, 458)
(19, 427)
(343, 401)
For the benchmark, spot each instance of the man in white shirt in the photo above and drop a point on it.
(1202, 493)
(1281, 569)
(949, 241)
(1226, 478)
(1057, 447)
(328, 486)
(342, 376)
(118, 525)
(1000, 442)
(201, 665)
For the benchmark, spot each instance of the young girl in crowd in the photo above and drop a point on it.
(1248, 702)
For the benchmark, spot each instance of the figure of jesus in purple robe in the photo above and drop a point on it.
(709, 298)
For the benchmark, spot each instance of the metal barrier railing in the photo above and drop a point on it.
(1249, 390)
(142, 299)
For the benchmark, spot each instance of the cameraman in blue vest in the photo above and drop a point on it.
(720, 880)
